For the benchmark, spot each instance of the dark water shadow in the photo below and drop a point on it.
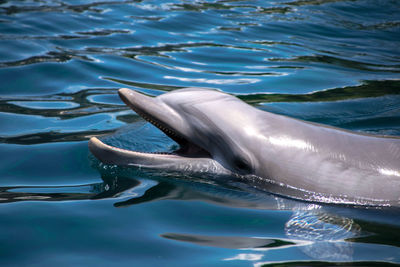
(341, 62)
(228, 241)
(314, 2)
(109, 188)
(365, 90)
(81, 100)
(62, 7)
(61, 54)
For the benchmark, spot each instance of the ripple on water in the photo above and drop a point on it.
(45, 104)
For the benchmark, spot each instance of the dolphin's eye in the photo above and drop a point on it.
(241, 165)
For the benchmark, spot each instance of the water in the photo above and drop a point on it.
(61, 62)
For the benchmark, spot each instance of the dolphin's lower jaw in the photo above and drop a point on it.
(164, 161)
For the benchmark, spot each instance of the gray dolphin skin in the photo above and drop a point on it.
(222, 135)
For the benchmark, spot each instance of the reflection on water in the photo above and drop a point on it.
(321, 232)
(229, 241)
(110, 188)
(327, 233)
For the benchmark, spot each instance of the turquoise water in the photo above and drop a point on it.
(61, 62)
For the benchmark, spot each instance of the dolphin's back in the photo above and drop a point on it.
(338, 164)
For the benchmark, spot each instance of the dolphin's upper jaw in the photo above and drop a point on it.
(147, 108)
(152, 111)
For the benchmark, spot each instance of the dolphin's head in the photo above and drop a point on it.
(207, 125)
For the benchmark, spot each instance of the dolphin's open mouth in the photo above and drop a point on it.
(157, 114)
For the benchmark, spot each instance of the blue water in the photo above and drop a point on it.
(61, 63)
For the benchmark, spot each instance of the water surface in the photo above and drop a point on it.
(61, 63)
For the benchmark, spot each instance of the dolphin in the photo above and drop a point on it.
(221, 135)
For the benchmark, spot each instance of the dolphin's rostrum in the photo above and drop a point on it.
(218, 133)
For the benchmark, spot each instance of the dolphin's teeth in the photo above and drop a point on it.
(155, 152)
(170, 132)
